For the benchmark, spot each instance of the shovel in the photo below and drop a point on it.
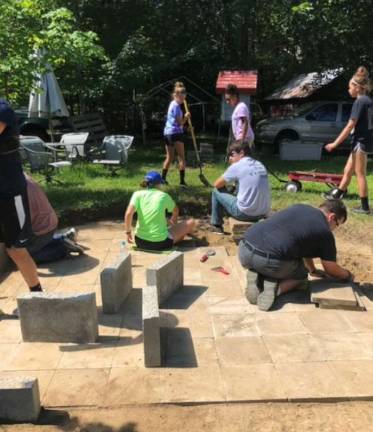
(201, 176)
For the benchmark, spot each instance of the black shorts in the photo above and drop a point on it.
(171, 139)
(15, 221)
(148, 245)
(362, 147)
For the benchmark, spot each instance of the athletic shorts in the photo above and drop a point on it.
(15, 221)
(149, 245)
(358, 146)
(171, 139)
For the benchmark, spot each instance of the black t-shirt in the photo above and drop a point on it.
(362, 112)
(12, 179)
(300, 231)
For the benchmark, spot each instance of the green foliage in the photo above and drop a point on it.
(28, 26)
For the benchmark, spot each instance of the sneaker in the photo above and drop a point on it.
(165, 182)
(71, 234)
(253, 286)
(360, 210)
(184, 185)
(72, 246)
(217, 229)
(332, 195)
(267, 297)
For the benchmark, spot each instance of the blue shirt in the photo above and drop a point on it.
(254, 196)
(172, 126)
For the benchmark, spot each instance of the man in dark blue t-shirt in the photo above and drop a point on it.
(281, 250)
(15, 224)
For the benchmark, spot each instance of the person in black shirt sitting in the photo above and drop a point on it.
(281, 249)
(15, 225)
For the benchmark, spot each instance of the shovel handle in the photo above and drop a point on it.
(192, 132)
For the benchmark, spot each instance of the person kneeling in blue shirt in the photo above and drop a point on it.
(253, 200)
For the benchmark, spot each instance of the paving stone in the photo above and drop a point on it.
(19, 399)
(167, 275)
(87, 356)
(294, 348)
(240, 324)
(221, 305)
(10, 331)
(220, 285)
(255, 382)
(309, 380)
(198, 321)
(181, 350)
(332, 293)
(285, 323)
(321, 320)
(356, 377)
(58, 317)
(129, 353)
(360, 321)
(343, 346)
(134, 385)
(241, 351)
(151, 327)
(202, 384)
(116, 283)
(238, 227)
(77, 387)
(34, 356)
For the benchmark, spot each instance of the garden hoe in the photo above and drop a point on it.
(201, 176)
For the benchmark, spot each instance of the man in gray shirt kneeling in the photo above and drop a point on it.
(253, 200)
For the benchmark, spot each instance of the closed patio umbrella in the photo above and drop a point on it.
(48, 102)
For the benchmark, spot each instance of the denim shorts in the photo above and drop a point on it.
(269, 266)
(171, 139)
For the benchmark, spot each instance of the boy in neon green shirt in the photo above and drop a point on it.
(151, 206)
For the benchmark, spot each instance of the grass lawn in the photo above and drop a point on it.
(89, 192)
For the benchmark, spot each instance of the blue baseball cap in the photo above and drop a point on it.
(154, 178)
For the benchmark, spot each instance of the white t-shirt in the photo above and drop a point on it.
(241, 111)
(254, 195)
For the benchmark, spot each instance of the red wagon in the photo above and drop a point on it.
(296, 177)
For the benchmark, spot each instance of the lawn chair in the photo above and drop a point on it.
(114, 152)
(74, 145)
(41, 158)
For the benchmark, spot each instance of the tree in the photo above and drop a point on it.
(28, 26)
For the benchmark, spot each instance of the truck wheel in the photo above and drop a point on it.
(293, 186)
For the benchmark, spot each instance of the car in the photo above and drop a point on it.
(314, 121)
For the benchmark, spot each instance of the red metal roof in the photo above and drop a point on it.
(246, 81)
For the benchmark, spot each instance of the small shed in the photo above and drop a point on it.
(246, 82)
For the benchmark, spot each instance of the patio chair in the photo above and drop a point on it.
(41, 158)
(114, 152)
(74, 145)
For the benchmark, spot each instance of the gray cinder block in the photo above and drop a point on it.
(151, 327)
(116, 283)
(58, 317)
(19, 399)
(167, 275)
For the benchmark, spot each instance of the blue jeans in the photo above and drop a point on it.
(221, 202)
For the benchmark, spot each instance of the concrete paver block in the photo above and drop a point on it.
(116, 283)
(330, 293)
(151, 327)
(167, 275)
(238, 227)
(19, 399)
(58, 317)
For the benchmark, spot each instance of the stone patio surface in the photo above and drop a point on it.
(218, 347)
